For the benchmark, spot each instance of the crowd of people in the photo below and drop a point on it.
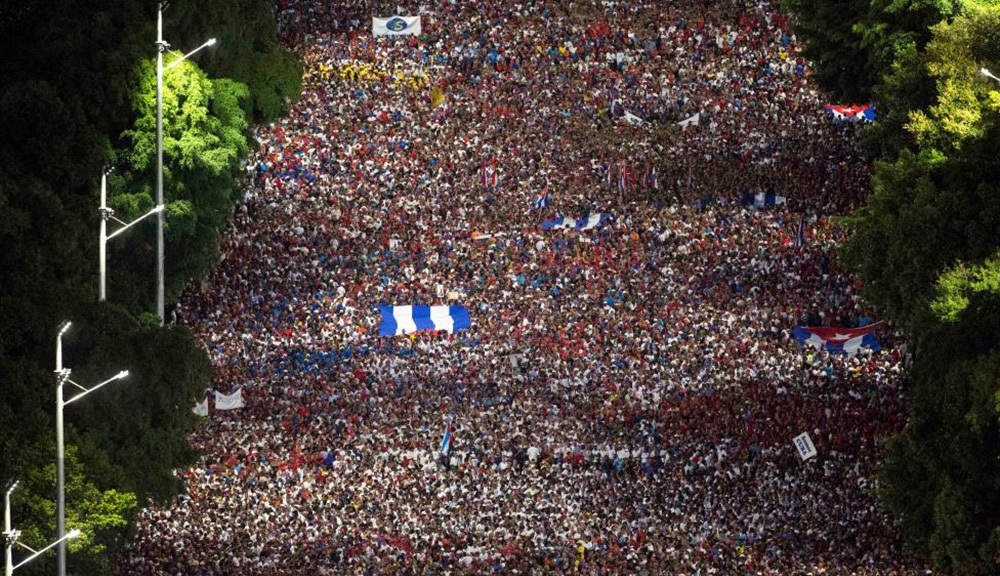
(626, 397)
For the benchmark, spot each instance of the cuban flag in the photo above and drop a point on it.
(800, 233)
(838, 340)
(651, 181)
(544, 199)
(585, 223)
(865, 113)
(446, 441)
(489, 175)
(397, 320)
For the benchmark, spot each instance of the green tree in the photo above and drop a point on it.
(204, 137)
(101, 515)
(926, 246)
(247, 50)
(74, 77)
(853, 43)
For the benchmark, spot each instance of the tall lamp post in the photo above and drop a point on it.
(161, 48)
(11, 537)
(109, 214)
(62, 377)
(988, 74)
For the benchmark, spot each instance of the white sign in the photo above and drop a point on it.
(396, 26)
(804, 444)
(229, 402)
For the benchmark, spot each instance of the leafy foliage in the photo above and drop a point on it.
(852, 43)
(247, 50)
(204, 137)
(926, 246)
(75, 77)
(102, 516)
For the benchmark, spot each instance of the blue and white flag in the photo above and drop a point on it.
(585, 223)
(838, 340)
(763, 200)
(446, 441)
(398, 320)
(396, 26)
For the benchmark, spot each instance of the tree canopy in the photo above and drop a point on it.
(927, 248)
(76, 94)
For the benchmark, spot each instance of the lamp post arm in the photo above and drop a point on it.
(189, 54)
(156, 210)
(72, 534)
(117, 376)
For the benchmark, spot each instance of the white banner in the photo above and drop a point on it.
(229, 402)
(396, 26)
(804, 444)
(201, 408)
(690, 120)
(633, 119)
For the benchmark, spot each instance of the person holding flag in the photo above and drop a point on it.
(544, 199)
(446, 444)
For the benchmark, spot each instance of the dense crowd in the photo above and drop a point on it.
(625, 400)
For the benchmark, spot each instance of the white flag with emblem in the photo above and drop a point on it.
(396, 26)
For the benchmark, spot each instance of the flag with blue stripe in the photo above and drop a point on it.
(585, 223)
(763, 200)
(398, 320)
(446, 441)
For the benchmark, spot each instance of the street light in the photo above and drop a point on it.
(10, 538)
(109, 214)
(988, 74)
(62, 377)
(162, 47)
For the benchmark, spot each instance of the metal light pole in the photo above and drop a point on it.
(62, 377)
(988, 74)
(60, 488)
(10, 538)
(102, 251)
(162, 47)
(109, 214)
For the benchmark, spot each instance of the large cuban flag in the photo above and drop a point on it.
(838, 340)
(398, 320)
(585, 223)
(865, 112)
